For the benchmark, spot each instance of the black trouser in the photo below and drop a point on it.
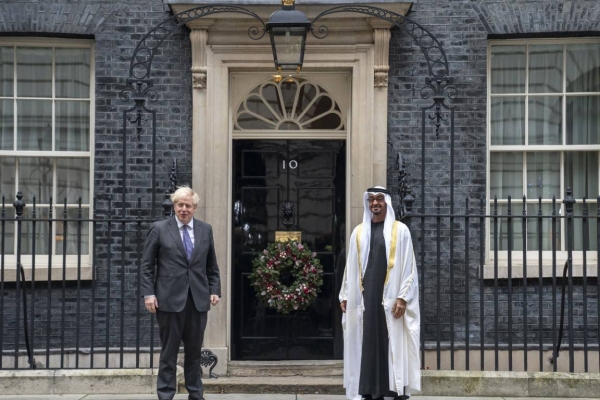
(187, 325)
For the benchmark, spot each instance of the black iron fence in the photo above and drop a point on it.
(70, 286)
(509, 285)
(505, 285)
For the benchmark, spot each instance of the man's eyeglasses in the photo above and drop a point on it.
(379, 199)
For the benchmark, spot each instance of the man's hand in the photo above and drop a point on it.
(343, 306)
(399, 308)
(151, 304)
(214, 299)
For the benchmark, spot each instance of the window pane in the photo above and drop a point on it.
(6, 71)
(545, 68)
(508, 120)
(71, 238)
(545, 120)
(7, 124)
(543, 175)
(506, 175)
(8, 235)
(581, 174)
(34, 72)
(72, 125)
(35, 179)
(72, 73)
(34, 125)
(73, 180)
(583, 119)
(7, 179)
(42, 232)
(583, 67)
(533, 225)
(508, 69)
(504, 231)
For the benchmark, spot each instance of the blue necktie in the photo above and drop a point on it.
(187, 242)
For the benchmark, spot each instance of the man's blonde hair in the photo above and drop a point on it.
(184, 191)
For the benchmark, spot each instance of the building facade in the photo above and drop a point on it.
(519, 118)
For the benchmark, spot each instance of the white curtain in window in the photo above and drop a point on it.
(581, 174)
(34, 125)
(583, 67)
(72, 125)
(508, 120)
(73, 180)
(508, 69)
(6, 71)
(546, 69)
(543, 175)
(72, 73)
(506, 175)
(583, 120)
(34, 72)
(7, 124)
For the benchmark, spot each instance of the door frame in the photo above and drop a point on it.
(212, 150)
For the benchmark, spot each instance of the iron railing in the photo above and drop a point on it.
(499, 306)
(87, 303)
(503, 287)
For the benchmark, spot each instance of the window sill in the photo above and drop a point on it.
(533, 268)
(41, 271)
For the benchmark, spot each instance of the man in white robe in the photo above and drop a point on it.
(394, 335)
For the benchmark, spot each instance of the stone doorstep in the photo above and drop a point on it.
(435, 383)
(324, 368)
(272, 385)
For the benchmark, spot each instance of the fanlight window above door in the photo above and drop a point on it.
(290, 105)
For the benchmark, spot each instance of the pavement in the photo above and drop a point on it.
(241, 396)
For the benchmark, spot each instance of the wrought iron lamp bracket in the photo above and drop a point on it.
(437, 62)
(439, 90)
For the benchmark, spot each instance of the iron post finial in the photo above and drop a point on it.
(19, 205)
(167, 204)
(408, 200)
(569, 201)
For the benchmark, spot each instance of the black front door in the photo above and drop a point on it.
(311, 175)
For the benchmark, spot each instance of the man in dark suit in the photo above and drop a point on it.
(180, 280)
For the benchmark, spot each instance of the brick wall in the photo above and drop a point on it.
(462, 27)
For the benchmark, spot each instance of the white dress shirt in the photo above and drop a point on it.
(190, 228)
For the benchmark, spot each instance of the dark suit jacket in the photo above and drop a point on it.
(166, 272)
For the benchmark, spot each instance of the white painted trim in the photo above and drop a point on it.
(213, 135)
(313, 135)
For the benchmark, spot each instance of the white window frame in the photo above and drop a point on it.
(72, 261)
(533, 255)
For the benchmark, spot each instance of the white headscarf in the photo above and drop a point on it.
(390, 217)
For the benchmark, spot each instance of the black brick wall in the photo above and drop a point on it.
(462, 26)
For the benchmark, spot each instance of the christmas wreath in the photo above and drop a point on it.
(299, 263)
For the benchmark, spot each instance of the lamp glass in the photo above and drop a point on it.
(288, 43)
